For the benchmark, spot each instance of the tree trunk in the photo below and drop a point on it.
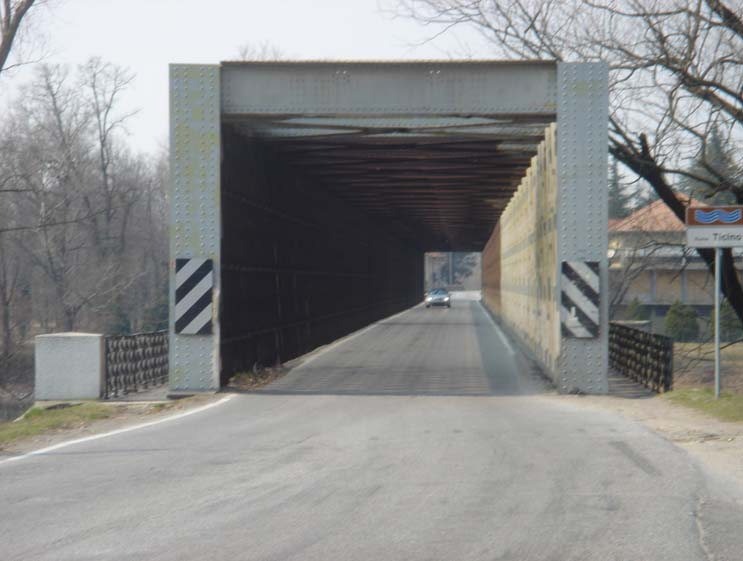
(69, 319)
(7, 334)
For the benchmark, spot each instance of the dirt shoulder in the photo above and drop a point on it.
(717, 444)
(81, 419)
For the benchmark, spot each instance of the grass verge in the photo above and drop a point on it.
(38, 421)
(728, 408)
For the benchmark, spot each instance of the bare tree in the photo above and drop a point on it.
(52, 156)
(83, 217)
(627, 263)
(676, 73)
(12, 14)
(146, 302)
(105, 83)
(77, 191)
(260, 52)
(11, 267)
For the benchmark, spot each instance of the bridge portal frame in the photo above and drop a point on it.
(202, 97)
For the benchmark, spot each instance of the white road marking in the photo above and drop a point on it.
(322, 350)
(117, 431)
(500, 333)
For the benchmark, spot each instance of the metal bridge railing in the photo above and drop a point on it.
(642, 356)
(135, 362)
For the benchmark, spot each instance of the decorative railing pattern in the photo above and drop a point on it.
(642, 356)
(135, 362)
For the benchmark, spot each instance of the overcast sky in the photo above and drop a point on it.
(146, 35)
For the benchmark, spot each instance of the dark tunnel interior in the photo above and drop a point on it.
(300, 267)
(323, 234)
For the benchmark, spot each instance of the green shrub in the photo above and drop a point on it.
(730, 326)
(636, 311)
(681, 322)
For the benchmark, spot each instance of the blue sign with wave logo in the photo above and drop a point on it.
(717, 216)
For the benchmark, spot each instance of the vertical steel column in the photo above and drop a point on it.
(582, 195)
(195, 223)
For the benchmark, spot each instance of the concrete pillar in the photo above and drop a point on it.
(69, 366)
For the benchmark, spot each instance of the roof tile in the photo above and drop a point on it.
(655, 217)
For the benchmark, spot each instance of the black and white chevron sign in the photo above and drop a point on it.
(194, 284)
(580, 299)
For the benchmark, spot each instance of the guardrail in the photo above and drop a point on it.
(135, 362)
(642, 356)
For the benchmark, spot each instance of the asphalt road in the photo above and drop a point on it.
(422, 438)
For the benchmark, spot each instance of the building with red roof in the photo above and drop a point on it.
(650, 264)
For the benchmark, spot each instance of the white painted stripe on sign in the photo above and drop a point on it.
(190, 299)
(61, 445)
(586, 273)
(187, 270)
(199, 321)
(585, 305)
(577, 330)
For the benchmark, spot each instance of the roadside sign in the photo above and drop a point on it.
(718, 226)
(715, 227)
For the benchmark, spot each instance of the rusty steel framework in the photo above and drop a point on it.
(315, 188)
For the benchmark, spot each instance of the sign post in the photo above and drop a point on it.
(715, 227)
(718, 256)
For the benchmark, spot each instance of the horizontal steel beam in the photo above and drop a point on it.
(389, 89)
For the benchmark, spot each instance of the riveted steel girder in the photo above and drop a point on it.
(386, 89)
